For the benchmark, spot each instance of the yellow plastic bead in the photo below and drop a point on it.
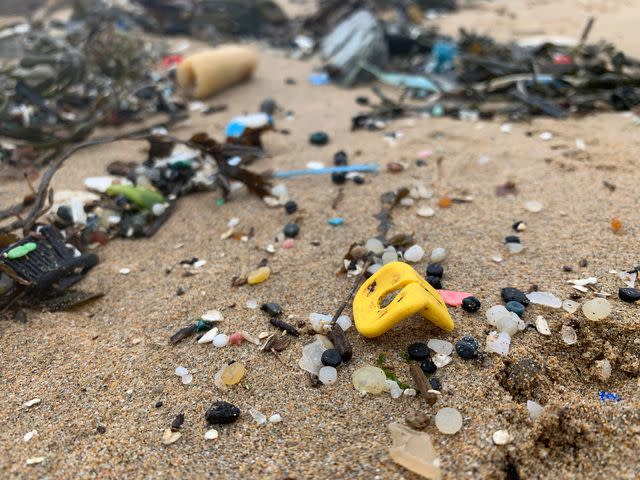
(232, 374)
(414, 295)
(258, 276)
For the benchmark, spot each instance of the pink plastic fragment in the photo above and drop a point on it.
(453, 299)
(425, 153)
(288, 243)
(236, 338)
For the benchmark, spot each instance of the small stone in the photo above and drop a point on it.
(319, 139)
(272, 309)
(568, 335)
(498, 343)
(533, 206)
(471, 304)
(596, 309)
(515, 307)
(31, 403)
(435, 270)
(570, 306)
(177, 422)
(546, 299)
(375, 246)
(426, 212)
(35, 460)
(513, 294)
(542, 326)
(502, 437)
(275, 418)
(535, 409)
(258, 276)
(222, 412)
(417, 420)
(251, 304)
(331, 358)
(328, 375)
(448, 420)
(439, 346)
(435, 282)
(438, 255)
(435, 383)
(357, 179)
(291, 207)
(101, 429)
(467, 347)
(441, 360)
(409, 392)
(428, 367)
(186, 379)
(169, 437)
(259, 417)
(211, 434)
(344, 322)
(369, 379)
(125, 271)
(629, 294)
(29, 435)
(414, 254)
(220, 340)
(394, 167)
(603, 369)
(418, 351)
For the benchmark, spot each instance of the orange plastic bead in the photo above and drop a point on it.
(616, 224)
(445, 202)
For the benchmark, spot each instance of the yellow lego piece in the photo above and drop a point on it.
(415, 296)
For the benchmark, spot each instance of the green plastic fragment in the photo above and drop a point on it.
(201, 325)
(20, 251)
(142, 197)
(219, 202)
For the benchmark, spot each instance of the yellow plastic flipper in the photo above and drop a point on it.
(414, 295)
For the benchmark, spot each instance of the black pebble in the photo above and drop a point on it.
(362, 100)
(435, 282)
(358, 179)
(467, 347)
(272, 309)
(318, 138)
(340, 158)
(418, 351)
(180, 291)
(331, 358)
(517, 225)
(101, 429)
(64, 214)
(268, 106)
(339, 178)
(512, 239)
(159, 404)
(435, 270)
(291, 207)
(629, 294)
(428, 367)
(435, 382)
(291, 230)
(420, 163)
(177, 422)
(222, 412)
(513, 294)
(290, 81)
(471, 304)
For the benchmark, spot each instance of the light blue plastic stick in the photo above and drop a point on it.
(368, 167)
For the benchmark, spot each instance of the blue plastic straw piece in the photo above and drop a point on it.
(367, 167)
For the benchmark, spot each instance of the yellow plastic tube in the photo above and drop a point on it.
(211, 71)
